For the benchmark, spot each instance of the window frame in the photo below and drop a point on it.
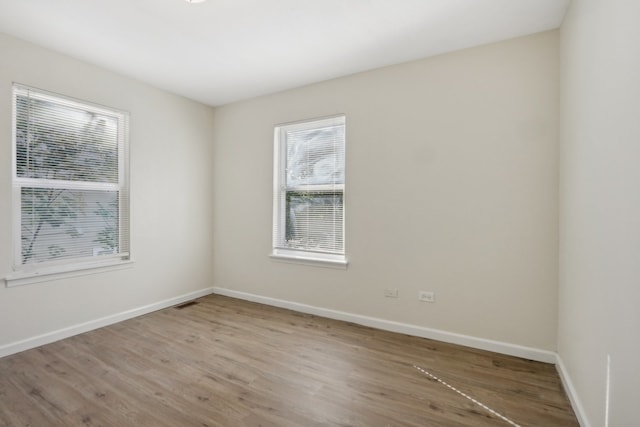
(280, 195)
(70, 267)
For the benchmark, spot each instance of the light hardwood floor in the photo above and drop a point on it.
(227, 362)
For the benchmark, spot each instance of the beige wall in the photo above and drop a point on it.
(170, 197)
(600, 207)
(451, 187)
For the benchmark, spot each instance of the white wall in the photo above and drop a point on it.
(451, 187)
(171, 198)
(600, 207)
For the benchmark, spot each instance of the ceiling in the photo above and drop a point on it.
(223, 51)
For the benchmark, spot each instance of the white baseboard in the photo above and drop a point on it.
(569, 388)
(403, 328)
(50, 337)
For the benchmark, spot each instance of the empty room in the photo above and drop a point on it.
(319, 213)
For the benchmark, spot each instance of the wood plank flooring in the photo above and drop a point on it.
(227, 362)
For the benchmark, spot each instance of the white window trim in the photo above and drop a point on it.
(312, 259)
(55, 270)
(19, 278)
(317, 259)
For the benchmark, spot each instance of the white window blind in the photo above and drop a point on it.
(71, 201)
(309, 177)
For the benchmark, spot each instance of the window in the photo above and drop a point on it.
(308, 199)
(71, 208)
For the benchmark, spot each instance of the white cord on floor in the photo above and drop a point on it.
(467, 396)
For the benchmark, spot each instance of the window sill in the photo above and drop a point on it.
(306, 258)
(19, 278)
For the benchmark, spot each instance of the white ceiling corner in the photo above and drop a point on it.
(222, 51)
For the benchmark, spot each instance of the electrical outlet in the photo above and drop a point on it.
(426, 296)
(391, 293)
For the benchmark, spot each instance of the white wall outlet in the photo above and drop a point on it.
(391, 293)
(427, 296)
